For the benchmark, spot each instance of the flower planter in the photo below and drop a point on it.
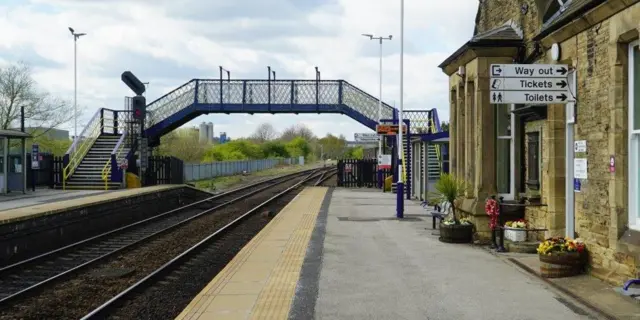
(559, 265)
(515, 235)
(456, 233)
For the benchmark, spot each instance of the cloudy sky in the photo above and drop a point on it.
(170, 42)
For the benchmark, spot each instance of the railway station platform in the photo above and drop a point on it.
(55, 201)
(342, 254)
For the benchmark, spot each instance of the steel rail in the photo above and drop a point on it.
(101, 311)
(18, 291)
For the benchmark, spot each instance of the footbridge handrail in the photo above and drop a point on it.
(103, 119)
(81, 145)
(114, 159)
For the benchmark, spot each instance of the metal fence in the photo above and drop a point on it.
(200, 171)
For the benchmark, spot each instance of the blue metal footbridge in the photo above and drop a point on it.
(205, 96)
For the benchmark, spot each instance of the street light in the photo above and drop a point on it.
(75, 80)
(380, 39)
(228, 83)
(400, 187)
(228, 74)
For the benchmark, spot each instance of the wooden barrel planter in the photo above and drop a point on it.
(567, 264)
(456, 233)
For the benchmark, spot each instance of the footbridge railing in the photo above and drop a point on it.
(270, 96)
(102, 121)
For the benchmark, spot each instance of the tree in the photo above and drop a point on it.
(444, 126)
(234, 150)
(18, 89)
(297, 130)
(264, 132)
(298, 147)
(183, 143)
(333, 146)
(275, 149)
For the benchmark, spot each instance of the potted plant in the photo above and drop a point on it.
(561, 257)
(454, 228)
(515, 230)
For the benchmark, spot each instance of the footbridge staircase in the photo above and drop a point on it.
(205, 96)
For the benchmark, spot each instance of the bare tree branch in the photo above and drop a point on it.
(298, 130)
(264, 132)
(18, 89)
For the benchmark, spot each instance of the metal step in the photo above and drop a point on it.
(91, 182)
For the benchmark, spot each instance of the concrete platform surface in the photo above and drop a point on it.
(66, 200)
(376, 267)
(41, 196)
(260, 282)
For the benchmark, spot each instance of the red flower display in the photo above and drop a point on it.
(492, 209)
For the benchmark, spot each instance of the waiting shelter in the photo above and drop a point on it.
(13, 175)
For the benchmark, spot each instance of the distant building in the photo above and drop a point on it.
(205, 133)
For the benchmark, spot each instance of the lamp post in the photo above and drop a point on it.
(228, 74)
(317, 86)
(75, 81)
(228, 82)
(380, 39)
(400, 186)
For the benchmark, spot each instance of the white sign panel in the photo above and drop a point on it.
(364, 144)
(529, 70)
(580, 146)
(529, 84)
(580, 168)
(366, 137)
(384, 161)
(528, 97)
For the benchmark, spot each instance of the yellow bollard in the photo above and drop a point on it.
(133, 181)
(387, 183)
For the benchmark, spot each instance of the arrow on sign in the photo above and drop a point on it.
(562, 71)
(562, 97)
(561, 84)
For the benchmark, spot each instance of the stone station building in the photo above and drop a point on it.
(519, 152)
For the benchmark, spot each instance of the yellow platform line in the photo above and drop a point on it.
(260, 282)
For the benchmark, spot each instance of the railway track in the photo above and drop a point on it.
(326, 175)
(27, 279)
(162, 293)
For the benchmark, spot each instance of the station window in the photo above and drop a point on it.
(504, 150)
(533, 160)
(634, 135)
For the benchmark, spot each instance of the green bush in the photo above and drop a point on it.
(275, 149)
(298, 147)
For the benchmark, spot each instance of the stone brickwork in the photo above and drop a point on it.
(596, 47)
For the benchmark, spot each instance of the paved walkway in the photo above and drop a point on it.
(41, 196)
(375, 267)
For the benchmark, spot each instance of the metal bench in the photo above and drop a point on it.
(440, 211)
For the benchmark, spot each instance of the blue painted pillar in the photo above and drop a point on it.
(408, 159)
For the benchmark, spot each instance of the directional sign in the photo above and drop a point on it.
(529, 97)
(35, 150)
(364, 144)
(388, 129)
(529, 70)
(529, 84)
(365, 137)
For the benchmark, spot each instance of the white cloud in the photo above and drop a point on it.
(178, 42)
